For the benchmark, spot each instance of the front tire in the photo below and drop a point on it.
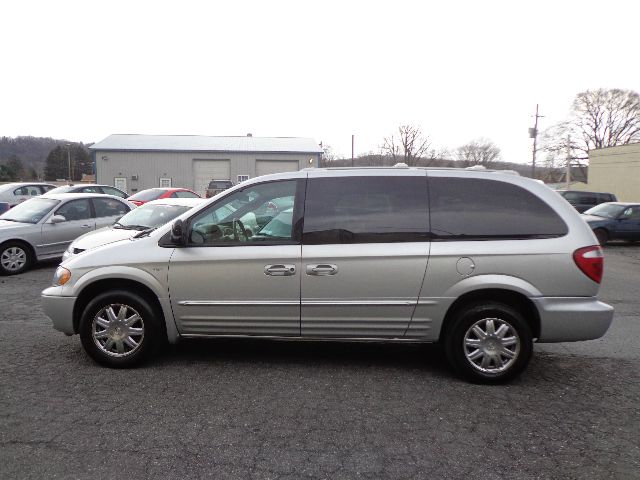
(119, 329)
(489, 343)
(15, 258)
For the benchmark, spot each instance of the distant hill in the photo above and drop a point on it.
(32, 151)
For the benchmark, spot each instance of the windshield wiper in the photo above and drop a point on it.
(130, 227)
(144, 233)
(11, 220)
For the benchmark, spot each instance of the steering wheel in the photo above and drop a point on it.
(238, 228)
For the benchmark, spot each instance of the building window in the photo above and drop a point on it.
(243, 178)
(165, 183)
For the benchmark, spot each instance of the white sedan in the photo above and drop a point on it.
(143, 219)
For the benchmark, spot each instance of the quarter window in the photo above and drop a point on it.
(367, 209)
(479, 209)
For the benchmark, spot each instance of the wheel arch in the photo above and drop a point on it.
(96, 287)
(509, 297)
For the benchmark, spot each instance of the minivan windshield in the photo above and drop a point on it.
(30, 211)
(150, 216)
(606, 210)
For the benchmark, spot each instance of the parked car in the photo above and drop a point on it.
(217, 186)
(145, 196)
(90, 188)
(482, 262)
(583, 201)
(14, 193)
(42, 227)
(614, 221)
(139, 221)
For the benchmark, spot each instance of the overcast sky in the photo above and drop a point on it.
(324, 69)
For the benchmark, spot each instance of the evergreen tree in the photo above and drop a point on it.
(14, 165)
(56, 165)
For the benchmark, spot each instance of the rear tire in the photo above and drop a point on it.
(601, 235)
(15, 258)
(488, 342)
(119, 329)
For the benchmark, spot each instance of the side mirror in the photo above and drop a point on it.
(58, 219)
(178, 234)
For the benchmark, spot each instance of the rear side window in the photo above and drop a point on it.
(479, 209)
(366, 210)
(186, 194)
(108, 207)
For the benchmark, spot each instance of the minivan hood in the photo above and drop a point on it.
(103, 236)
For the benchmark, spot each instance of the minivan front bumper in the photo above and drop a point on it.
(572, 319)
(59, 309)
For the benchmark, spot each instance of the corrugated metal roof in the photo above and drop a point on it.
(198, 143)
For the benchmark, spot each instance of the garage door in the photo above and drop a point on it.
(207, 170)
(264, 167)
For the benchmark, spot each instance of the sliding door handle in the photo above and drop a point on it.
(322, 269)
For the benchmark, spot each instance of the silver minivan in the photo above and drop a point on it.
(484, 263)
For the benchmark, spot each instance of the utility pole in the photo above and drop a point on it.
(568, 171)
(69, 159)
(533, 133)
(352, 144)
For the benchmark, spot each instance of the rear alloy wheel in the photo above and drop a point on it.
(119, 329)
(489, 343)
(15, 258)
(601, 235)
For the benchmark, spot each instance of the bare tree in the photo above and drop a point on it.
(409, 146)
(480, 151)
(599, 118)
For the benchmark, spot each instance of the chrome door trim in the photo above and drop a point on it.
(191, 303)
(200, 303)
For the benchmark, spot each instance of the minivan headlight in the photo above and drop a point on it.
(62, 276)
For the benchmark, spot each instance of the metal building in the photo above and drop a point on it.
(616, 170)
(137, 162)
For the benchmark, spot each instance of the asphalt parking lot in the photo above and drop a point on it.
(249, 409)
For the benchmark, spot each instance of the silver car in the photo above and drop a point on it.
(90, 188)
(137, 222)
(482, 262)
(42, 227)
(15, 193)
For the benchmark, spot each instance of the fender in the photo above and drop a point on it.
(113, 272)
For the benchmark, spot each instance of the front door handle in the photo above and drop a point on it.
(280, 270)
(322, 269)
(86, 226)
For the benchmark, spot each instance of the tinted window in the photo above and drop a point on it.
(470, 208)
(108, 207)
(366, 210)
(75, 210)
(91, 189)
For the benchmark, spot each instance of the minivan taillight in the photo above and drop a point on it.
(591, 261)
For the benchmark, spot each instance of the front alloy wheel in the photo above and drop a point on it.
(118, 330)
